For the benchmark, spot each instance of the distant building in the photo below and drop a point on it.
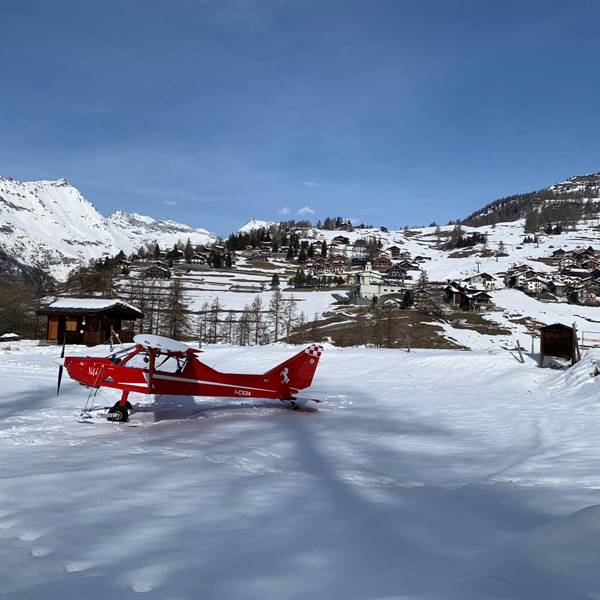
(253, 288)
(484, 279)
(373, 284)
(156, 272)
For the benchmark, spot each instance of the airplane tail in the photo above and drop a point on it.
(297, 372)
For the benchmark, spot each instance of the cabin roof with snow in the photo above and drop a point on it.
(74, 306)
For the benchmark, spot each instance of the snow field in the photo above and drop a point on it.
(429, 475)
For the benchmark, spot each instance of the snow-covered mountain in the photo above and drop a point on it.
(51, 224)
(572, 199)
(253, 224)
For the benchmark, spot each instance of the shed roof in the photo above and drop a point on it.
(91, 305)
(556, 326)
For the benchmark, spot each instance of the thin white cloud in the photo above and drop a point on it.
(306, 210)
(169, 202)
(310, 183)
(285, 211)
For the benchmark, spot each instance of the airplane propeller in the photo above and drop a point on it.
(62, 365)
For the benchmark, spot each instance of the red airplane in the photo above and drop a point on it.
(159, 365)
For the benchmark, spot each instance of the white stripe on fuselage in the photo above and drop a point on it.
(229, 385)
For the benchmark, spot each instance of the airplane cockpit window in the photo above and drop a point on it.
(119, 355)
(140, 361)
(170, 364)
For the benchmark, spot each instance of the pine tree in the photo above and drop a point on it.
(275, 281)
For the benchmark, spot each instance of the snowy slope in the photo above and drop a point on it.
(434, 475)
(50, 223)
(581, 189)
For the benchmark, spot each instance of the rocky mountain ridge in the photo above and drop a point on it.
(50, 224)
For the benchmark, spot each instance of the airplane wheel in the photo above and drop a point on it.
(119, 413)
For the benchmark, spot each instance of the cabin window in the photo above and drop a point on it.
(71, 325)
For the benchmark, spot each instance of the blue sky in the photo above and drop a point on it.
(214, 111)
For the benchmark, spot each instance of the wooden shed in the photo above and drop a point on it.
(89, 320)
(559, 341)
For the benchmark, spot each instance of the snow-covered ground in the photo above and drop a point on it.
(425, 475)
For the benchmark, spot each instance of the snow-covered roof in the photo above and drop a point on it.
(92, 304)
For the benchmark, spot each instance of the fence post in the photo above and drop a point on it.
(520, 353)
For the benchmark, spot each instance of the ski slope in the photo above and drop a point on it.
(429, 475)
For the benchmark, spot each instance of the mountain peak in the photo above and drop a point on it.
(51, 224)
(253, 224)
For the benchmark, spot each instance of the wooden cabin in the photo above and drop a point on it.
(560, 341)
(89, 321)
(156, 272)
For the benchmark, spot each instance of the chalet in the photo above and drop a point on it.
(421, 298)
(394, 251)
(334, 268)
(585, 293)
(480, 301)
(484, 279)
(382, 262)
(360, 243)
(581, 255)
(396, 273)
(156, 272)
(590, 264)
(558, 253)
(567, 261)
(407, 265)
(558, 288)
(338, 259)
(453, 295)
(459, 297)
(198, 259)
(341, 239)
(536, 285)
(89, 321)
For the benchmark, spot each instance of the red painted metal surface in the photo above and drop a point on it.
(182, 373)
